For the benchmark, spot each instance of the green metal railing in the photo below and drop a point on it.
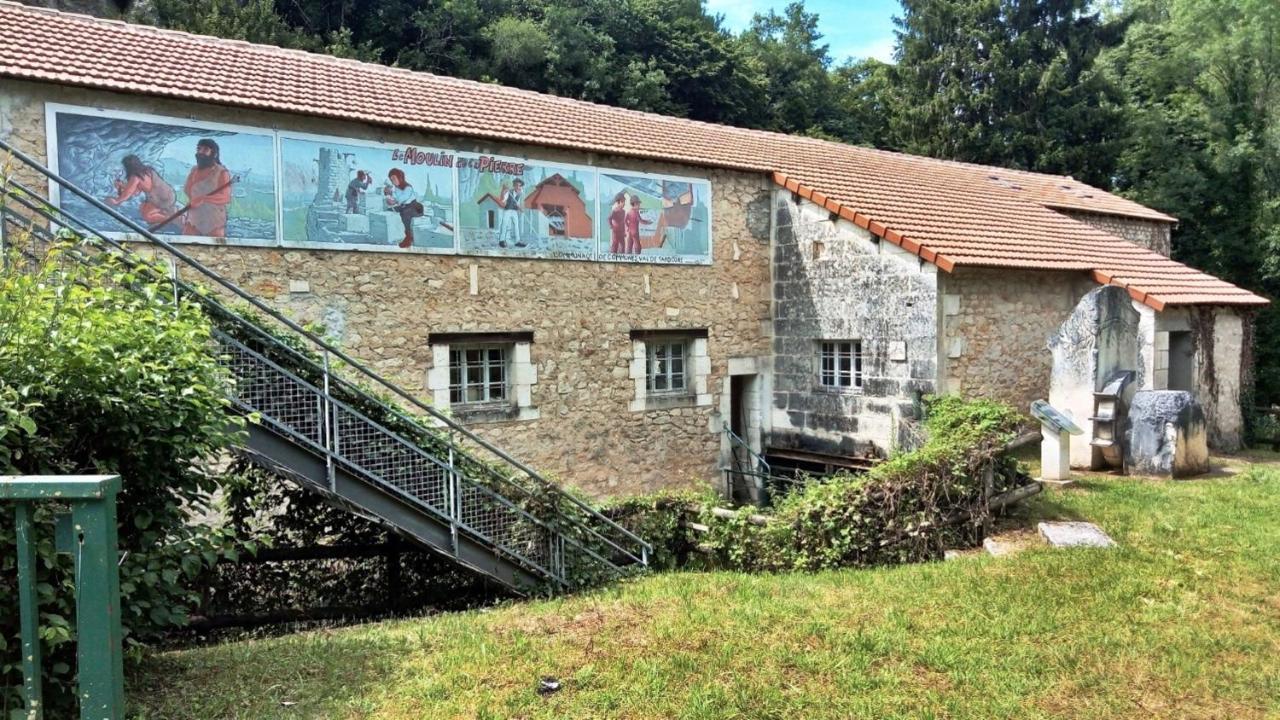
(88, 534)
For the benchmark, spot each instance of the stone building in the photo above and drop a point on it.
(804, 292)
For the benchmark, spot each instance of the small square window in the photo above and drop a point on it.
(478, 374)
(666, 367)
(840, 364)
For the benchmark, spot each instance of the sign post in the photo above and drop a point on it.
(89, 535)
(1056, 429)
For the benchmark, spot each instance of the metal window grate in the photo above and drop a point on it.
(478, 374)
(840, 364)
(666, 367)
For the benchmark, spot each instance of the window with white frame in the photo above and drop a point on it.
(840, 364)
(484, 376)
(478, 374)
(670, 368)
(665, 373)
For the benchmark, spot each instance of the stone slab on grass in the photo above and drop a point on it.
(1074, 534)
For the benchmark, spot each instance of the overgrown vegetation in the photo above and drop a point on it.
(95, 378)
(907, 509)
(290, 517)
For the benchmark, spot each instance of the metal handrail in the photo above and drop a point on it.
(215, 306)
(316, 341)
(735, 439)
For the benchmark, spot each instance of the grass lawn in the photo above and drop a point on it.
(1183, 620)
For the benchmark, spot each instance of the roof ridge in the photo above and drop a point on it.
(948, 212)
(364, 65)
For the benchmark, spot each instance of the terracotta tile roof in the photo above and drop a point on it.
(949, 213)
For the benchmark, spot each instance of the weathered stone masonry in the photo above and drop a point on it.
(383, 307)
(1150, 234)
(835, 281)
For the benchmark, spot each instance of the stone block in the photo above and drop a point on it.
(1074, 534)
(385, 227)
(1166, 434)
(898, 350)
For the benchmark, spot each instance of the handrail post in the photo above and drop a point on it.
(92, 541)
(28, 608)
(330, 430)
(451, 496)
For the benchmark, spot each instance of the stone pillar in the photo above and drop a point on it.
(1099, 338)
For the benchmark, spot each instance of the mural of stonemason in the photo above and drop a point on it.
(654, 219)
(174, 178)
(372, 195)
(509, 206)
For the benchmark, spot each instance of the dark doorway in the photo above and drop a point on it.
(1182, 361)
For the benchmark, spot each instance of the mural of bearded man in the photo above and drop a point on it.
(208, 190)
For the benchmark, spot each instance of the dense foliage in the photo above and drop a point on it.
(291, 517)
(909, 508)
(95, 378)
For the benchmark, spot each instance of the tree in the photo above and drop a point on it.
(800, 90)
(1006, 82)
(1201, 81)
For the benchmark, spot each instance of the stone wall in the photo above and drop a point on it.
(1150, 234)
(382, 306)
(996, 324)
(834, 281)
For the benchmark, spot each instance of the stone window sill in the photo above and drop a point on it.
(827, 390)
(665, 402)
(488, 413)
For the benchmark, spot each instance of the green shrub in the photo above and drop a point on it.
(97, 378)
(908, 508)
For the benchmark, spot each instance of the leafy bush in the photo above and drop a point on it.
(101, 372)
(907, 509)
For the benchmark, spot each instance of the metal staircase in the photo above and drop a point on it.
(330, 423)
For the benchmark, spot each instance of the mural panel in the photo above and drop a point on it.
(205, 182)
(654, 218)
(509, 206)
(336, 193)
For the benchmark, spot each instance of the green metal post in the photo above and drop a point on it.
(93, 543)
(98, 651)
(29, 610)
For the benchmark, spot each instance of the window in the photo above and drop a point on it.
(478, 374)
(666, 367)
(491, 219)
(840, 364)
(670, 369)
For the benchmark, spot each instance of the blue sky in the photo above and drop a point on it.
(853, 28)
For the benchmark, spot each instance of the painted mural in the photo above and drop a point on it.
(654, 219)
(208, 182)
(344, 194)
(174, 179)
(510, 206)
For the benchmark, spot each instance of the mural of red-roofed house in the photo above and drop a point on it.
(563, 211)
